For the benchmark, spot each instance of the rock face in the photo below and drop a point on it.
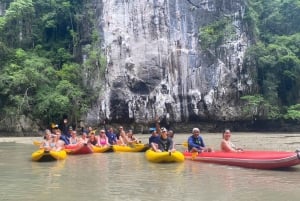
(157, 67)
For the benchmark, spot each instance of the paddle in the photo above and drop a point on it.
(36, 143)
(185, 144)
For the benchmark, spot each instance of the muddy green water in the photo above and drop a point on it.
(129, 176)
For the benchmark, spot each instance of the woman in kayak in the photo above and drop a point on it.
(227, 145)
(46, 142)
(102, 139)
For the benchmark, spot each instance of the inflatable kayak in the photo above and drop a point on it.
(42, 156)
(130, 148)
(248, 159)
(164, 157)
(100, 149)
(79, 149)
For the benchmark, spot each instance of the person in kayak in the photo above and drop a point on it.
(84, 139)
(196, 143)
(227, 145)
(123, 139)
(171, 134)
(164, 143)
(103, 140)
(112, 137)
(154, 138)
(46, 142)
(93, 139)
(73, 139)
(132, 138)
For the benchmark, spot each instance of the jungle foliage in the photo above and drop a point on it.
(275, 30)
(40, 65)
(276, 54)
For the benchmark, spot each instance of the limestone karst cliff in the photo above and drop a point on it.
(156, 65)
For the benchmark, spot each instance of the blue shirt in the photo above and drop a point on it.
(196, 142)
(154, 139)
(112, 138)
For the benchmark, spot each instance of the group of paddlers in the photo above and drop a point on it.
(57, 137)
(160, 140)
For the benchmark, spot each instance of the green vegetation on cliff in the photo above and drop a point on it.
(275, 30)
(40, 67)
(276, 54)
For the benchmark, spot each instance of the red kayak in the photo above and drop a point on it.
(248, 159)
(79, 149)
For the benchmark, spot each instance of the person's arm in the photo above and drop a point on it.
(202, 145)
(192, 144)
(135, 140)
(106, 140)
(160, 147)
(42, 145)
(121, 140)
(158, 130)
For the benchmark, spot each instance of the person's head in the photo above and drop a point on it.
(73, 133)
(70, 129)
(196, 132)
(121, 129)
(111, 129)
(170, 134)
(47, 134)
(154, 133)
(92, 134)
(58, 132)
(84, 134)
(54, 138)
(226, 134)
(102, 132)
(129, 133)
(164, 133)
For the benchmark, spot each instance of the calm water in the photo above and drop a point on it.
(129, 176)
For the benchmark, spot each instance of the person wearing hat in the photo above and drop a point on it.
(196, 143)
(164, 143)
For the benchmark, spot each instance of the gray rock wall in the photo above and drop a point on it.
(156, 66)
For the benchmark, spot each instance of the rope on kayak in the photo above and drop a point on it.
(298, 153)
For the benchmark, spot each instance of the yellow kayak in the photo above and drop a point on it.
(130, 148)
(41, 155)
(99, 149)
(164, 157)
